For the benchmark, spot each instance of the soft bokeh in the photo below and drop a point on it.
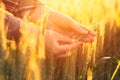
(93, 61)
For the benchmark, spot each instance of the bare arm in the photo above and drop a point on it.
(53, 39)
(62, 23)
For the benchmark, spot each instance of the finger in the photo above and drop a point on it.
(87, 38)
(64, 39)
(84, 30)
(81, 29)
(62, 56)
(89, 31)
(64, 48)
(92, 33)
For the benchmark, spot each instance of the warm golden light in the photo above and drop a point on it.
(28, 57)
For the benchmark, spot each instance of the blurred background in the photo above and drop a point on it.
(99, 60)
(101, 56)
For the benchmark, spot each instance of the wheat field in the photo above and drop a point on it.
(99, 60)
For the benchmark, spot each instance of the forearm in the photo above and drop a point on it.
(14, 25)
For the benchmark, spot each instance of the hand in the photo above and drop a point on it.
(62, 24)
(65, 25)
(58, 44)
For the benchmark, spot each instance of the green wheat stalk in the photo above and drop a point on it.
(115, 70)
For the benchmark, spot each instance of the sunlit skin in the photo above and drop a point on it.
(62, 25)
(55, 43)
(52, 43)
